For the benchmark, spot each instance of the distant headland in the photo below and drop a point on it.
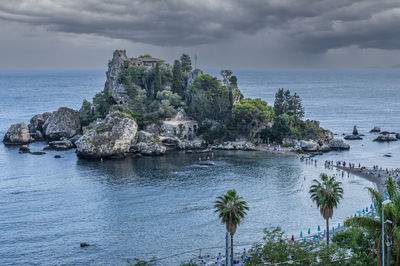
(149, 107)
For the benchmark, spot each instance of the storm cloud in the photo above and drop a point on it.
(308, 25)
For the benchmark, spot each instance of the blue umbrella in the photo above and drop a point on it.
(309, 231)
(319, 228)
(338, 226)
(313, 238)
(371, 206)
(355, 215)
(366, 209)
(301, 234)
(363, 211)
(333, 229)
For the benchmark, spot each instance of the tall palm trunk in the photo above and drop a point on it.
(327, 231)
(232, 249)
(397, 255)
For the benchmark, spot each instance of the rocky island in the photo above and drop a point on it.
(148, 107)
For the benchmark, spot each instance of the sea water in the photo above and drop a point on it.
(163, 206)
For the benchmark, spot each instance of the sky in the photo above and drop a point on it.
(235, 34)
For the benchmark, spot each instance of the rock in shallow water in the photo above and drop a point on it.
(24, 149)
(375, 129)
(36, 125)
(59, 145)
(111, 137)
(18, 134)
(385, 138)
(148, 144)
(352, 137)
(338, 144)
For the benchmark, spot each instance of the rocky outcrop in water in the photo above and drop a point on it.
(235, 145)
(355, 131)
(309, 146)
(18, 134)
(62, 123)
(36, 125)
(385, 138)
(111, 137)
(60, 145)
(338, 144)
(352, 137)
(148, 144)
(375, 129)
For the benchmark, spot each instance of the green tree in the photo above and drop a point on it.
(186, 63)
(208, 99)
(145, 56)
(373, 226)
(251, 115)
(233, 82)
(280, 104)
(157, 79)
(231, 209)
(177, 78)
(295, 108)
(326, 195)
(226, 76)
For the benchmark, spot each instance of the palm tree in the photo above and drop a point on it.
(232, 209)
(326, 195)
(374, 225)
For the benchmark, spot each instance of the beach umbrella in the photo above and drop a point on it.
(301, 234)
(309, 231)
(366, 209)
(319, 228)
(333, 229)
(313, 239)
(292, 238)
(338, 226)
(363, 211)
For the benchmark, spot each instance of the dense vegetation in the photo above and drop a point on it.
(154, 94)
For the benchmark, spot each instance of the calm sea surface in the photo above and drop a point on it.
(161, 206)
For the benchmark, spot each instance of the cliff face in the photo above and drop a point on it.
(115, 65)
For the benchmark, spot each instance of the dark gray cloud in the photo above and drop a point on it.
(307, 25)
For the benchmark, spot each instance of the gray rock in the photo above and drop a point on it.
(18, 134)
(60, 145)
(191, 144)
(375, 129)
(355, 131)
(36, 125)
(57, 156)
(148, 144)
(112, 86)
(192, 76)
(235, 145)
(62, 123)
(38, 153)
(385, 138)
(398, 135)
(24, 149)
(325, 148)
(110, 137)
(352, 137)
(75, 138)
(309, 146)
(338, 144)
(385, 132)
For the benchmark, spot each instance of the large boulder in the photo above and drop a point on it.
(111, 137)
(62, 123)
(385, 138)
(309, 146)
(112, 86)
(148, 144)
(338, 144)
(375, 129)
(36, 125)
(18, 134)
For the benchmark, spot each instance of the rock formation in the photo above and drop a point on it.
(62, 123)
(385, 138)
(375, 129)
(355, 131)
(110, 137)
(18, 134)
(36, 125)
(148, 144)
(338, 144)
(116, 90)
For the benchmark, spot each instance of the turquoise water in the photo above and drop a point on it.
(158, 206)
